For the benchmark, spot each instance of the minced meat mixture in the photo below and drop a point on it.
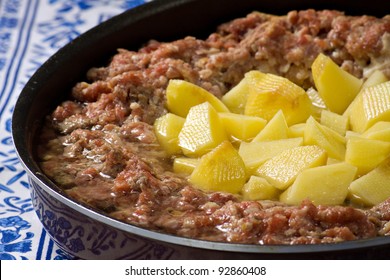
(100, 147)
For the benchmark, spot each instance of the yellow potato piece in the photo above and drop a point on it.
(184, 165)
(336, 86)
(296, 130)
(371, 106)
(256, 153)
(323, 185)
(336, 122)
(275, 129)
(258, 188)
(282, 169)
(316, 98)
(317, 101)
(326, 138)
(377, 77)
(374, 187)
(167, 129)
(379, 131)
(182, 95)
(235, 99)
(332, 161)
(222, 169)
(276, 93)
(242, 127)
(289, 150)
(202, 131)
(350, 134)
(365, 153)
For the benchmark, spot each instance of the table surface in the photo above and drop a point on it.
(30, 32)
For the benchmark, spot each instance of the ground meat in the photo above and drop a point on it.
(101, 148)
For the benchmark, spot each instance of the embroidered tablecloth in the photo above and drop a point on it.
(30, 32)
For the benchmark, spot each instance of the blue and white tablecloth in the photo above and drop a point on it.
(30, 32)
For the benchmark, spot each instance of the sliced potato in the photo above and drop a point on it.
(222, 169)
(258, 188)
(326, 138)
(277, 93)
(167, 129)
(235, 99)
(316, 98)
(182, 96)
(275, 129)
(282, 169)
(184, 165)
(323, 185)
(289, 148)
(256, 153)
(296, 130)
(379, 131)
(202, 131)
(336, 122)
(370, 107)
(374, 187)
(336, 86)
(365, 153)
(242, 127)
(377, 77)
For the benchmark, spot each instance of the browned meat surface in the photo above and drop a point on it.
(101, 148)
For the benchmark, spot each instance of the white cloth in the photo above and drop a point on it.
(30, 32)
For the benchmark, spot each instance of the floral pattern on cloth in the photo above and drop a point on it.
(30, 32)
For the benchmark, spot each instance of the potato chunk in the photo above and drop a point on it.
(374, 187)
(371, 106)
(258, 188)
(242, 127)
(167, 129)
(323, 185)
(336, 86)
(282, 169)
(326, 138)
(275, 129)
(182, 95)
(377, 77)
(266, 129)
(222, 169)
(202, 131)
(365, 153)
(316, 98)
(379, 131)
(276, 93)
(336, 122)
(296, 130)
(235, 99)
(256, 153)
(184, 165)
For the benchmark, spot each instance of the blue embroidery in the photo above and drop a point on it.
(10, 163)
(11, 229)
(64, 27)
(18, 24)
(3, 61)
(61, 31)
(39, 53)
(12, 6)
(5, 38)
(17, 205)
(8, 22)
(128, 4)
